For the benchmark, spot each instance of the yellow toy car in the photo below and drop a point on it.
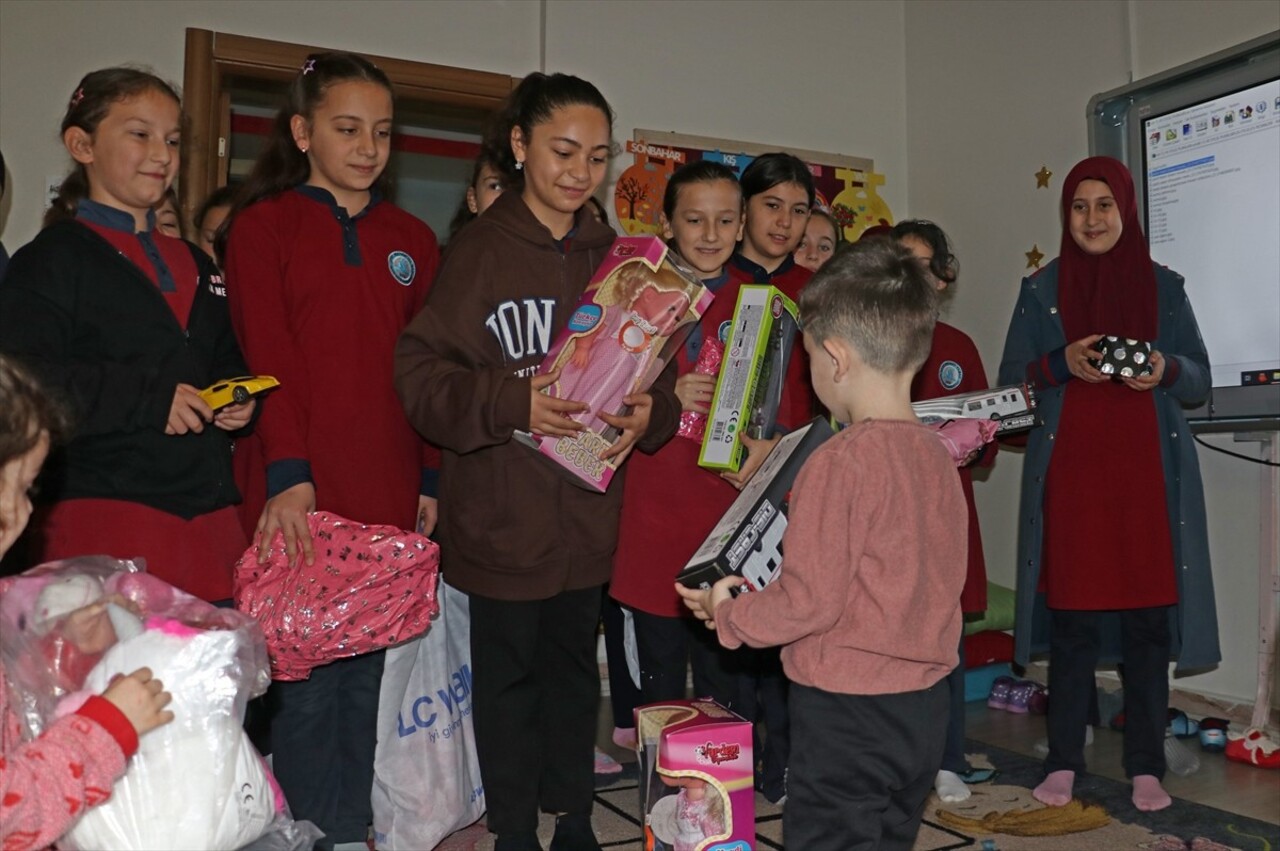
(237, 391)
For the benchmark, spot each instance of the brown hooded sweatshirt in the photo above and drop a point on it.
(512, 525)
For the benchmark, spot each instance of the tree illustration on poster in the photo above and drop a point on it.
(846, 185)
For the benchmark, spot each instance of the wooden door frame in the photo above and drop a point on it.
(213, 56)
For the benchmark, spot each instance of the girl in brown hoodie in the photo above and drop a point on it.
(531, 548)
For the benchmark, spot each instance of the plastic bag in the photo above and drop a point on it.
(195, 783)
(426, 775)
(371, 587)
(46, 667)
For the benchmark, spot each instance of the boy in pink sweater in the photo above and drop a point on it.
(867, 604)
(45, 784)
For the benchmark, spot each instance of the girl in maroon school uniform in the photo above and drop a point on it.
(954, 366)
(778, 191)
(126, 324)
(328, 274)
(703, 218)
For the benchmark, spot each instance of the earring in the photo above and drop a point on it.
(519, 166)
(303, 148)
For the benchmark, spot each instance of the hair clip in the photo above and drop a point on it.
(308, 67)
(77, 97)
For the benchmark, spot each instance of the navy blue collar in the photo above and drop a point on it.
(96, 213)
(757, 272)
(714, 284)
(693, 344)
(350, 241)
(324, 196)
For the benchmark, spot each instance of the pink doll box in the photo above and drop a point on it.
(632, 318)
(696, 777)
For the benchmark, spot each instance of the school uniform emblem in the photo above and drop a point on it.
(402, 267)
(950, 375)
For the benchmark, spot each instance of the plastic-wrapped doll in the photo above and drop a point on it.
(94, 735)
(194, 783)
(602, 365)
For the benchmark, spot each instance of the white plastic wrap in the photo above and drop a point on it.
(194, 783)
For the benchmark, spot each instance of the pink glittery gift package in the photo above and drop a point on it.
(371, 587)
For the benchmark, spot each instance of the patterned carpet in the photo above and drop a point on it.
(1102, 817)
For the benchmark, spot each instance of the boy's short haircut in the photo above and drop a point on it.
(875, 295)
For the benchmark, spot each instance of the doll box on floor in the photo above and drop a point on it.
(637, 310)
(752, 374)
(696, 777)
(748, 539)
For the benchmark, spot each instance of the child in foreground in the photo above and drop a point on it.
(46, 783)
(867, 605)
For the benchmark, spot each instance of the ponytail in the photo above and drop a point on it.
(281, 165)
(531, 103)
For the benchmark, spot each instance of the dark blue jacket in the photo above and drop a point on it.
(1036, 331)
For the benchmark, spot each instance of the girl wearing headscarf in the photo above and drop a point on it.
(1113, 556)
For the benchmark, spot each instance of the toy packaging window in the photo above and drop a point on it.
(696, 777)
(635, 313)
(752, 374)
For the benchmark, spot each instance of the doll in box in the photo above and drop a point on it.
(601, 364)
(686, 820)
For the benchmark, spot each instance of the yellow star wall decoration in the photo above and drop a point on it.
(1042, 177)
(1034, 257)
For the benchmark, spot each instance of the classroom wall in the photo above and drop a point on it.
(957, 103)
(996, 90)
(808, 74)
(717, 58)
(47, 45)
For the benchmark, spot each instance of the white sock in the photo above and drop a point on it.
(950, 788)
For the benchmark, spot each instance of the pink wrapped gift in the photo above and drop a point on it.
(693, 424)
(371, 587)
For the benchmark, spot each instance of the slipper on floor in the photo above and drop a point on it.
(1253, 747)
(1182, 726)
(606, 764)
(1000, 688)
(1213, 734)
(978, 775)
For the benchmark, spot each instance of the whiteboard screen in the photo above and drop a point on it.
(1212, 190)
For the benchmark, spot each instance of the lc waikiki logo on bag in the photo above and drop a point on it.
(426, 775)
(439, 712)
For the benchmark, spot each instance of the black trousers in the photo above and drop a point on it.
(763, 700)
(667, 647)
(537, 688)
(1074, 646)
(323, 735)
(953, 758)
(862, 767)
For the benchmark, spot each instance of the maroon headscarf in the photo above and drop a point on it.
(1112, 293)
